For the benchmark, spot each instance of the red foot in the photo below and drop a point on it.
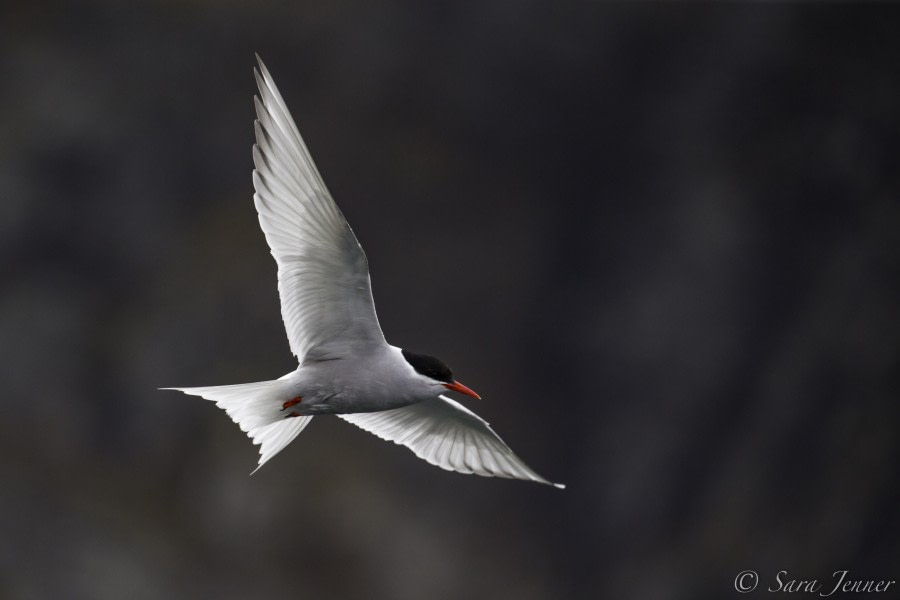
(293, 414)
(291, 403)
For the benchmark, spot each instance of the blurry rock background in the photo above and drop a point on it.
(660, 240)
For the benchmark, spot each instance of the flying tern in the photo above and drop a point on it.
(346, 368)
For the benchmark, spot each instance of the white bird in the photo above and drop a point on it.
(345, 367)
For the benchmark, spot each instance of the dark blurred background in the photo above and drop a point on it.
(660, 240)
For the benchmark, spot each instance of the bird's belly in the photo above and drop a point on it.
(342, 404)
(341, 397)
(369, 384)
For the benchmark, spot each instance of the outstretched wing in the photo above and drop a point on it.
(323, 275)
(448, 435)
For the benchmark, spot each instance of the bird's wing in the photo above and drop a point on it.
(323, 275)
(448, 435)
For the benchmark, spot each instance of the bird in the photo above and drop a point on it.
(345, 366)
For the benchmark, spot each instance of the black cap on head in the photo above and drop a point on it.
(429, 366)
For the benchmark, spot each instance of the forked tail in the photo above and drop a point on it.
(256, 408)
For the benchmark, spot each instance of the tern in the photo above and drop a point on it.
(346, 368)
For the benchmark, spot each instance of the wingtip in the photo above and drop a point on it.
(559, 486)
(261, 70)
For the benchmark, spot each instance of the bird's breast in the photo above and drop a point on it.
(339, 387)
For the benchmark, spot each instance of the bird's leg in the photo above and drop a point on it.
(292, 415)
(291, 403)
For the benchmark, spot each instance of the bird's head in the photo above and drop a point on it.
(437, 372)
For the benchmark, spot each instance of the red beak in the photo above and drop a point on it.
(458, 387)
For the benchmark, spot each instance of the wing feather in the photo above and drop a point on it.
(323, 274)
(448, 435)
